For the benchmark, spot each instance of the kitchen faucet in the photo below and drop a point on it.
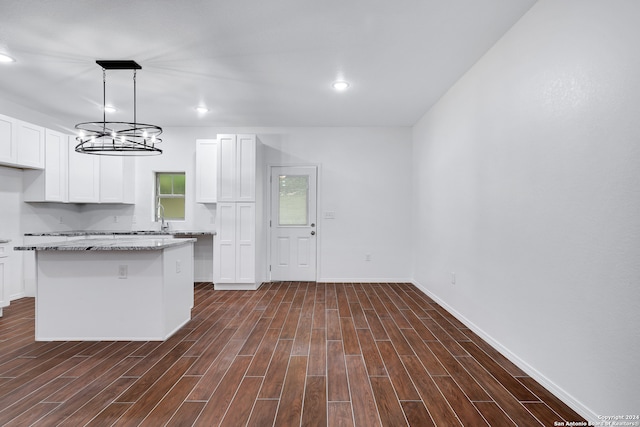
(164, 225)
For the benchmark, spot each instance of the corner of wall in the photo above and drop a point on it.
(560, 393)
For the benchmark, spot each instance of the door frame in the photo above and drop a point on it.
(269, 209)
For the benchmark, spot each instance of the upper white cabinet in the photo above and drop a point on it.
(84, 177)
(79, 178)
(8, 137)
(21, 143)
(237, 168)
(206, 170)
(49, 185)
(100, 179)
(116, 179)
(30, 145)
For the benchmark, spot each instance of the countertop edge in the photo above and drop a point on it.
(107, 245)
(124, 233)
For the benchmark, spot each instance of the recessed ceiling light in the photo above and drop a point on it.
(6, 58)
(201, 109)
(340, 85)
(109, 109)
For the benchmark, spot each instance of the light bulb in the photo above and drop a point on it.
(340, 85)
(6, 58)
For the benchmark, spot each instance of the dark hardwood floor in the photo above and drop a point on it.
(288, 354)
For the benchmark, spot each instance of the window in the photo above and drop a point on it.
(170, 196)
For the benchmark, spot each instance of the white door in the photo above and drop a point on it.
(293, 223)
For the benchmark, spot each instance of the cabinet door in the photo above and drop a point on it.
(227, 167)
(246, 168)
(246, 242)
(224, 261)
(84, 177)
(55, 169)
(8, 135)
(206, 170)
(111, 185)
(116, 179)
(30, 149)
(3, 274)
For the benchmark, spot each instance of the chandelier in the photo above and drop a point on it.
(118, 138)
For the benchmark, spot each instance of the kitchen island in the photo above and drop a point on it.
(112, 289)
(202, 248)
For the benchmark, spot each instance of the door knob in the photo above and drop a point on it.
(313, 233)
(313, 224)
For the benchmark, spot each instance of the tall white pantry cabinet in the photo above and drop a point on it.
(240, 243)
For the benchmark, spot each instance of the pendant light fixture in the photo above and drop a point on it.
(118, 138)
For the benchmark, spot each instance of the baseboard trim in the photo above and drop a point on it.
(363, 280)
(235, 286)
(559, 392)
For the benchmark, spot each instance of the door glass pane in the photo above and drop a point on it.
(294, 200)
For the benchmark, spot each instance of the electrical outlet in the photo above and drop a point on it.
(61, 221)
(123, 271)
(367, 257)
(178, 266)
(115, 219)
(133, 219)
(453, 278)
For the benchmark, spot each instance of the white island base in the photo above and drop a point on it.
(95, 295)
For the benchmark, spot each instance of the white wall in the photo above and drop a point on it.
(364, 179)
(527, 177)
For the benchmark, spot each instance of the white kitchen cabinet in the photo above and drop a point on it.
(30, 153)
(224, 253)
(8, 140)
(246, 243)
(100, 179)
(21, 143)
(116, 182)
(4, 253)
(84, 177)
(50, 184)
(237, 156)
(206, 170)
(234, 263)
(239, 254)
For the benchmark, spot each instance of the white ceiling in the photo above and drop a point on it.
(253, 63)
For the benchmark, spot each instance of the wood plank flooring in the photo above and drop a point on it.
(288, 354)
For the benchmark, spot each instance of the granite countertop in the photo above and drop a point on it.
(124, 232)
(118, 244)
(4, 241)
